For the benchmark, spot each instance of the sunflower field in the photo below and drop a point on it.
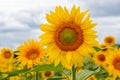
(67, 50)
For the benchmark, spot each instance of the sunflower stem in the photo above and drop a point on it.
(37, 75)
(74, 72)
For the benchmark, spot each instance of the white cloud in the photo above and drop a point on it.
(20, 19)
(14, 39)
(108, 26)
(8, 22)
(16, 5)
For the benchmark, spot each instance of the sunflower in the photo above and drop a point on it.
(6, 68)
(47, 74)
(68, 35)
(6, 55)
(18, 77)
(109, 40)
(92, 78)
(113, 62)
(100, 58)
(30, 53)
(110, 78)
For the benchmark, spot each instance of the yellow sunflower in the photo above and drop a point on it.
(109, 40)
(100, 58)
(92, 78)
(30, 53)
(16, 78)
(6, 68)
(110, 78)
(68, 35)
(47, 74)
(6, 55)
(113, 62)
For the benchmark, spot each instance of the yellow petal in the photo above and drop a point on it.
(46, 38)
(47, 27)
(59, 14)
(80, 17)
(66, 11)
(69, 56)
(51, 19)
(73, 11)
(64, 14)
(53, 51)
(57, 61)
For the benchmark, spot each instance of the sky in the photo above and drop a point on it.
(20, 19)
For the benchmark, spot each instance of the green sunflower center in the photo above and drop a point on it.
(68, 36)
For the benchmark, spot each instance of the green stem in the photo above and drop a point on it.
(37, 75)
(74, 72)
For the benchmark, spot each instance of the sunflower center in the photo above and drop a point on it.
(101, 57)
(109, 40)
(7, 54)
(68, 36)
(92, 78)
(32, 54)
(116, 63)
(47, 73)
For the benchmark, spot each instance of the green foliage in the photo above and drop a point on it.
(16, 72)
(96, 48)
(56, 78)
(90, 68)
(89, 65)
(16, 51)
(102, 74)
(37, 68)
(48, 67)
(86, 73)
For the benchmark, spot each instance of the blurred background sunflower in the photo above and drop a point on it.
(30, 53)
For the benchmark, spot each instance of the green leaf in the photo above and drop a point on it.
(16, 72)
(86, 73)
(56, 78)
(48, 67)
(102, 74)
(38, 68)
(89, 64)
(1, 73)
(16, 51)
(96, 48)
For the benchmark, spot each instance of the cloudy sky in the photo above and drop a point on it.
(20, 19)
